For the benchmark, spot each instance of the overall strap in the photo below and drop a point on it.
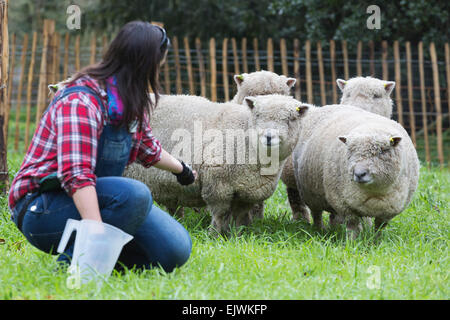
(66, 91)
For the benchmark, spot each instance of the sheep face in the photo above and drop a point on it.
(374, 162)
(368, 93)
(276, 120)
(261, 83)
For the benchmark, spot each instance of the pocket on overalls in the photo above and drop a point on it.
(115, 150)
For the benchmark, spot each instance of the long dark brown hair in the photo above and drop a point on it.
(134, 57)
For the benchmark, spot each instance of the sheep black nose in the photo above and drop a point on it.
(361, 176)
(269, 139)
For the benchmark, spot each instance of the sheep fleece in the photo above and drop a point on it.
(321, 164)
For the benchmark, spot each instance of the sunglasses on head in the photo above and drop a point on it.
(165, 41)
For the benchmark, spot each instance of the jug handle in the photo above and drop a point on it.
(71, 225)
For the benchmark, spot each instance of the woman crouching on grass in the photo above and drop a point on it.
(97, 124)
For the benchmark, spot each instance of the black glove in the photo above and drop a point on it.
(186, 176)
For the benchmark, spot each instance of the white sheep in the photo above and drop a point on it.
(257, 83)
(261, 83)
(367, 93)
(353, 164)
(230, 188)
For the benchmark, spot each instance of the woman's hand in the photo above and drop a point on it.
(170, 163)
(187, 176)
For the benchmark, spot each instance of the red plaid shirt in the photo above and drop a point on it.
(65, 142)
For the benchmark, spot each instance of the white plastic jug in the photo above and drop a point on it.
(97, 248)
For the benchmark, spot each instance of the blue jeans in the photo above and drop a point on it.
(124, 203)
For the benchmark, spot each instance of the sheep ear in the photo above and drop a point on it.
(238, 78)
(53, 87)
(394, 141)
(343, 139)
(341, 84)
(301, 109)
(250, 102)
(389, 86)
(291, 82)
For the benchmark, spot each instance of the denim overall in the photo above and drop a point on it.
(125, 203)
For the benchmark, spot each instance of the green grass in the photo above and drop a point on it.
(274, 258)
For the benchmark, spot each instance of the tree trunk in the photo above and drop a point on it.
(4, 52)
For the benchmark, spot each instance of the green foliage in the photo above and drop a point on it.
(412, 20)
(274, 258)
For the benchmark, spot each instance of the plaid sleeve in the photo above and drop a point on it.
(77, 121)
(149, 151)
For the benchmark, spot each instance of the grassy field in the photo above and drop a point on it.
(274, 258)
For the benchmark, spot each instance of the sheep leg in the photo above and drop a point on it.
(336, 219)
(317, 218)
(380, 224)
(220, 217)
(354, 227)
(241, 214)
(257, 212)
(299, 210)
(177, 212)
(368, 221)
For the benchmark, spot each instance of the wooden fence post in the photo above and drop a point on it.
(189, 66)
(23, 58)
(56, 58)
(77, 54)
(372, 58)
(4, 57)
(447, 68)
(424, 103)
(270, 65)
(104, 44)
(323, 97)
(167, 76)
(225, 69)
(358, 59)
(345, 57)
(93, 56)
(333, 70)
(49, 29)
(9, 88)
(283, 52)
(177, 65)
(213, 68)
(309, 88)
(412, 120)
(398, 83)
(244, 55)
(235, 56)
(30, 90)
(437, 103)
(384, 55)
(256, 54)
(66, 56)
(201, 66)
(297, 69)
